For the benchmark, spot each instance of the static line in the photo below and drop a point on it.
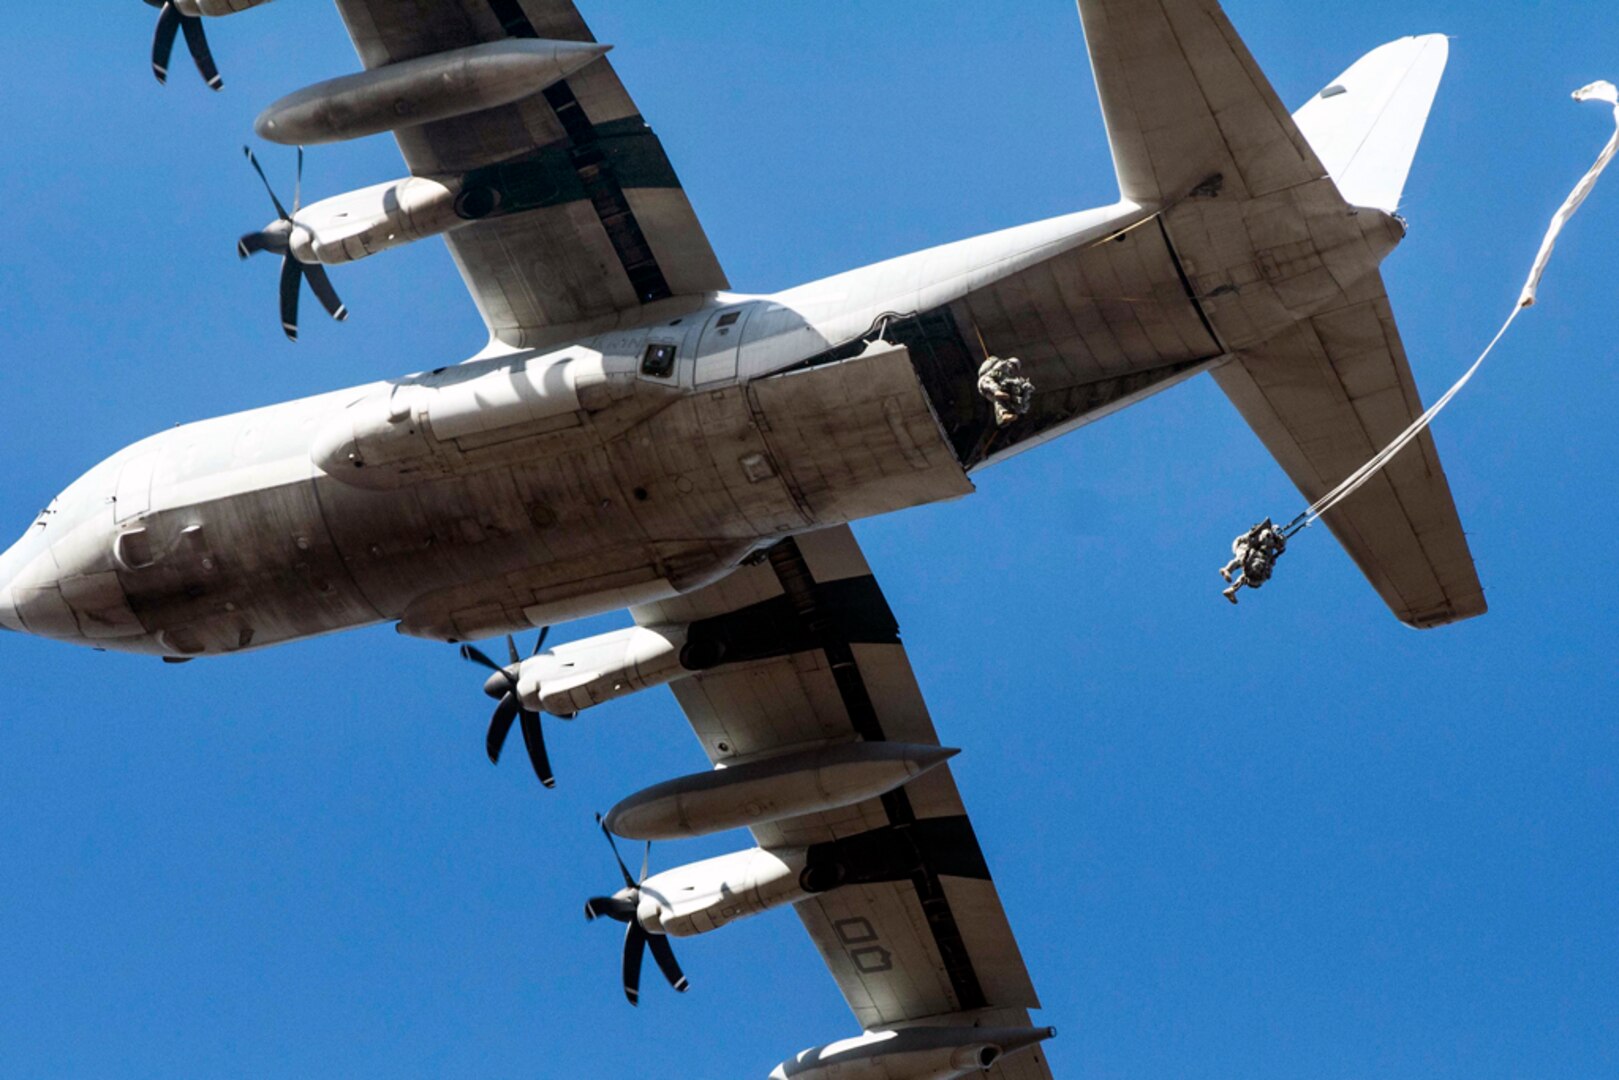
(1597, 91)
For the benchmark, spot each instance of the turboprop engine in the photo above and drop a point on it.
(577, 676)
(701, 897)
(918, 1053)
(358, 224)
(571, 678)
(560, 682)
(574, 677)
(176, 16)
(279, 238)
(691, 900)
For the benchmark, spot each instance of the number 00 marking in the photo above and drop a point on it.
(868, 958)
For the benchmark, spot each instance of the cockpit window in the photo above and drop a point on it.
(659, 361)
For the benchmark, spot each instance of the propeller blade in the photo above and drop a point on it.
(511, 649)
(664, 954)
(634, 949)
(534, 740)
(500, 726)
(477, 656)
(292, 276)
(168, 27)
(251, 245)
(629, 882)
(253, 160)
(609, 907)
(298, 184)
(545, 632)
(646, 861)
(321, 285)
(197, 42)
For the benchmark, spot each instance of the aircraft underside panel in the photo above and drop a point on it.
(238, 572)
(858, 437)
(559, 536)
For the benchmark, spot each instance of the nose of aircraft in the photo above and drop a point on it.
(30, 602)
(9, 565)
(60, 579)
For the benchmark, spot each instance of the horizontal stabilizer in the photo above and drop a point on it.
(1324, 397)
(1366, 124)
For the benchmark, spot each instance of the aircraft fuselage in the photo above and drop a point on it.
(622, 464)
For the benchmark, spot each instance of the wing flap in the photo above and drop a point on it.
(876, 942)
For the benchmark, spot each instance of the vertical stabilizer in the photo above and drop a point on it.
(1184, 102)
(1366, 124)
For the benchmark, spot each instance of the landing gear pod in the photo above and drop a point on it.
(921, 1053)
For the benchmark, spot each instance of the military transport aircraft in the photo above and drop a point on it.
(638, 435)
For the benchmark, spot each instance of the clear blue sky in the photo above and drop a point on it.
(1293, 840)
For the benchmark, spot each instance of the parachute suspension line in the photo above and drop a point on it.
(1597, 91)
(1357, 479)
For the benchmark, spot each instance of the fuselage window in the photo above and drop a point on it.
(659, 361)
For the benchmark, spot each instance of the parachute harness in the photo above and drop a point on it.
(1597, 91)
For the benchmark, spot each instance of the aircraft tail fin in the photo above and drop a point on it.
(1366, 124)
(1186, 104)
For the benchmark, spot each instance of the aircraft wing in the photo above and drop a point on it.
(612, 229)
(1325, 396)
(930, 943)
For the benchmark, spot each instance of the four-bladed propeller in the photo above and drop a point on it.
(502, 686)
(623, 907)
(277, 239)
(170, 24)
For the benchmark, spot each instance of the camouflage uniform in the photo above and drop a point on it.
(1255, 553)
(1002, 384)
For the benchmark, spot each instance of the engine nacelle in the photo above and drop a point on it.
(918, 1053)
(359, 224)
(574, 677)
(704, 896)
(215, 7)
